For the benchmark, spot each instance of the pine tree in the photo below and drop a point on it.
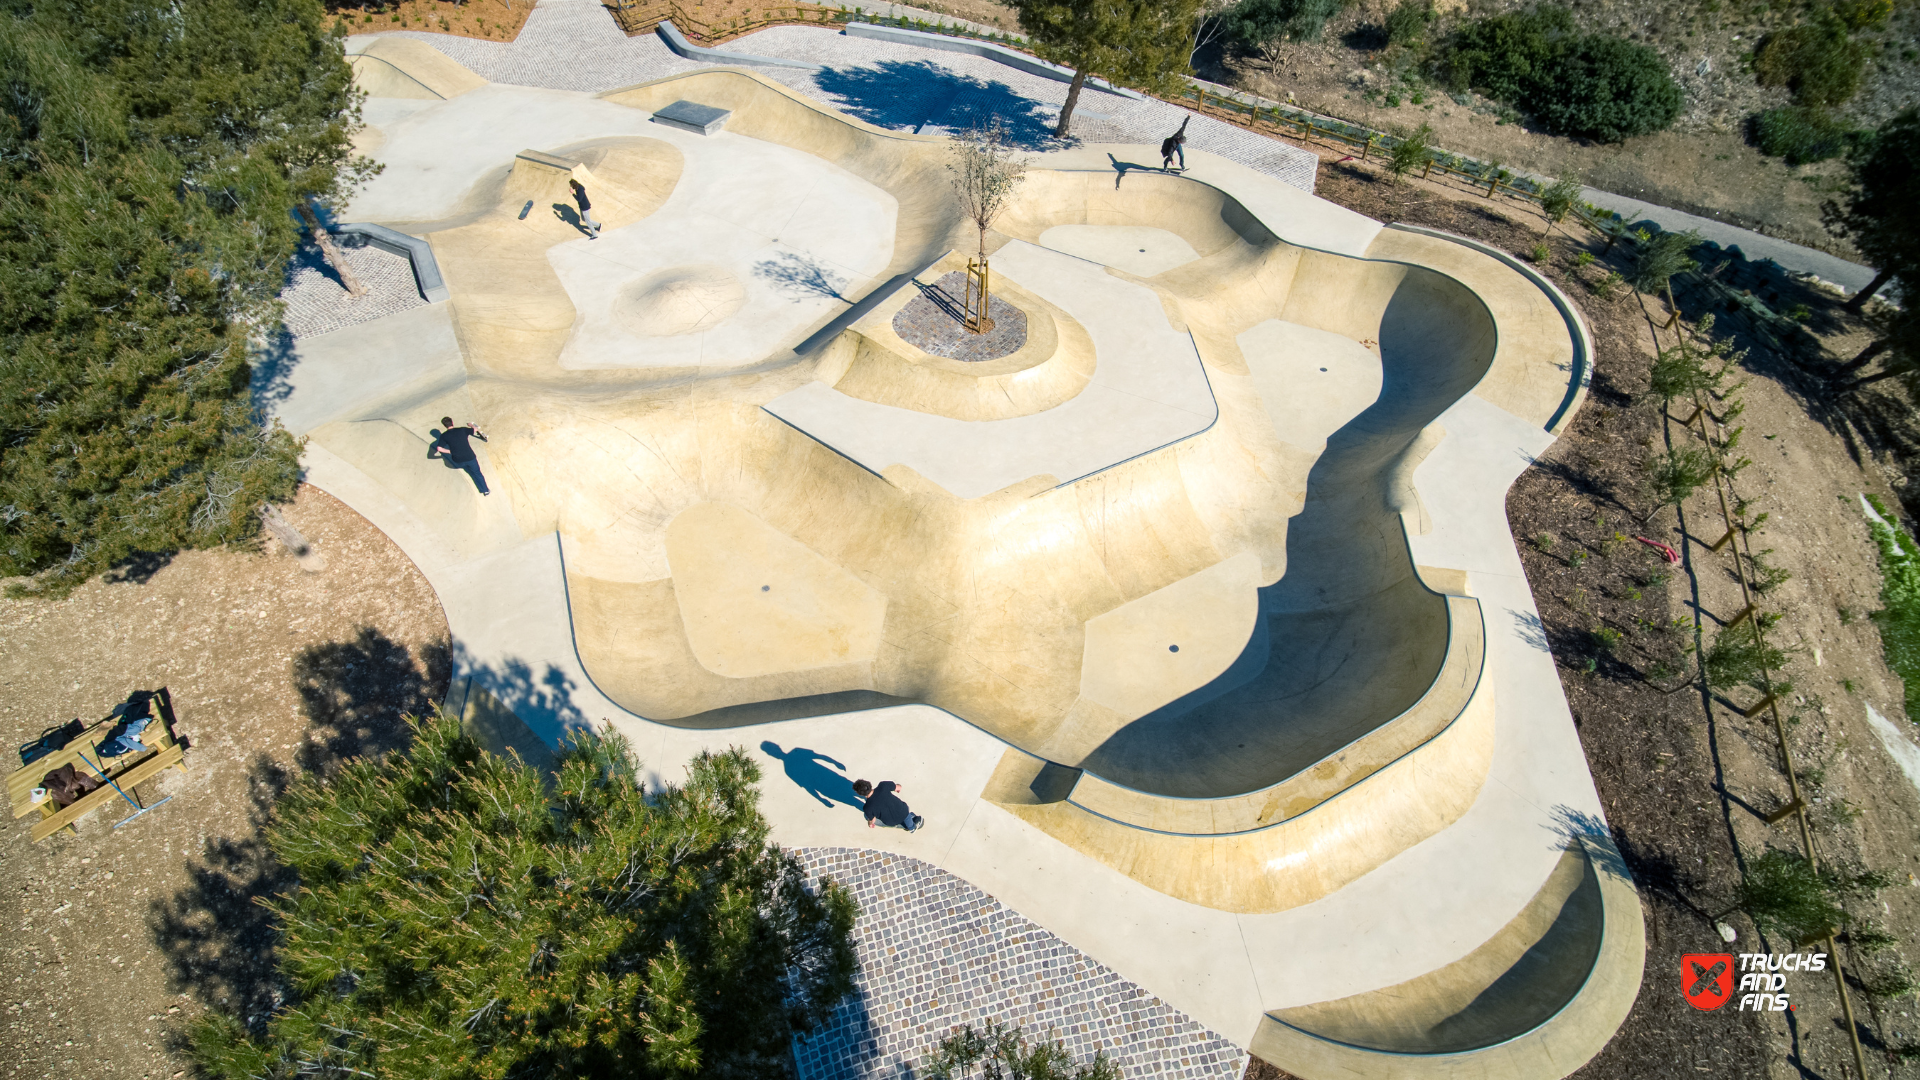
(1881, 214)
(1141, 43)
(460, 915)
(150, 152)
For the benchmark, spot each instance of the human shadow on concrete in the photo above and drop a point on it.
(217, 940)
(898, 94)
(804, 767)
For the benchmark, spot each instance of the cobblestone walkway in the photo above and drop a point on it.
(574, 45)
(935, 952)
(317, 303)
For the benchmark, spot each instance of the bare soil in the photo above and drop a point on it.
(1685, 778)
(117, 937)
(494, 20)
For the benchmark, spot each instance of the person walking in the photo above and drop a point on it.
(586, 208)
(457, 444)
(1173, 144)
(885, 806)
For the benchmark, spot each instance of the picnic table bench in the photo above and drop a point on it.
(127, 771)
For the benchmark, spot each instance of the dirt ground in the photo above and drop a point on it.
(117, 936)
(1686, 779)
(494, 21)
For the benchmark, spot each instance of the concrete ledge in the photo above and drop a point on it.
(678, 42)
(426, 271)
(997, 53)
(1582, 374)
(692, 116)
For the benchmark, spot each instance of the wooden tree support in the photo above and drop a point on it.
(1786, 812)
(1718, 546)
(977, 320)
(1759, 707)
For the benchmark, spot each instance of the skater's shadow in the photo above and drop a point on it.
(803, 767)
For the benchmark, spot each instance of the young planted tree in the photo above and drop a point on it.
(1674, 476)
(1881, 210)
(1413, 151)
(984, 172)
(149, 154)
(1141, 43)
(1558, 200)
(1267, 27)
(1661, 256)
(461, 915)
(1784, 893)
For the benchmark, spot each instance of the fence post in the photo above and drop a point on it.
(1368, 148)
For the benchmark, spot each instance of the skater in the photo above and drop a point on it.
(586, 208)
(884, 805)
(1173, 144)
(456, 443)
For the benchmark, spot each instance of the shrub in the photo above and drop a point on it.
(1002, 1053)
(1607, 89)
(1264, 26)
(1558, 199)
(1800, 134)
(1590, 86)
(1818, 61)
(1899, 616)
(1505, 56)
(1407, 23)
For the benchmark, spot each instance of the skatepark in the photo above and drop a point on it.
(1193, 621)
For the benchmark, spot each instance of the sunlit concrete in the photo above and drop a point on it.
(1194, 624)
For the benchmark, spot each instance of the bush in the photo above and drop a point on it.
(1800, 134)
(1662, 256)
(1506, 56)
(1407, 23)
(1817, 60)
(1675, 475)
(1738, 655)
(1411, 152)
(1002, 1053)
(1899, 616)
(1607, 89)
(1784, 893)
(1591, 86)
(1265, 25)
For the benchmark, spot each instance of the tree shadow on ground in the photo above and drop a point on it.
(357, 693)
(801, 276)
(218, 942)
(139, 567)
(897, 94)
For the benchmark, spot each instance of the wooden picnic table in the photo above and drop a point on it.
(128, 771)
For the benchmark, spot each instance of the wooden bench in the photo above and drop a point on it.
(128, 771)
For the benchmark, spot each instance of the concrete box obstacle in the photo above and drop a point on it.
(694, 117)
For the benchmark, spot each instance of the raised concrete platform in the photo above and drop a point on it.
(1257, 718)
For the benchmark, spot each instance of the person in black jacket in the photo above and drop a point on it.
(586, 208)
(1175, 143)
(456, 443)
(885, 806)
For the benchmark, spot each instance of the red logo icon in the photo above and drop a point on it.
(1707, 979)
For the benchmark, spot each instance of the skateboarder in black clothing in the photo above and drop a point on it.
(885, 806)
(456, 443)
(1175, 143)
(586, 208)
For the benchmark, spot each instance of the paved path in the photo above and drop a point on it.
(1849, 275)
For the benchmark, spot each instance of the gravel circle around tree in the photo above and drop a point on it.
(932, 321)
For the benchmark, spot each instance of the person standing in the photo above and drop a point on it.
(456, 443)
(885, 806)
(586, 208)
(1173, 144)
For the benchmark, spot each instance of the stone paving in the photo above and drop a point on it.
(575, 45)
(936, 952)
(316, 302)
(935, 321)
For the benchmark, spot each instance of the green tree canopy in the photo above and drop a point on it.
(151, 151)
(1266, 26)
(1881, 211)
(1142, 43)
(1591, 86)
(460, 915)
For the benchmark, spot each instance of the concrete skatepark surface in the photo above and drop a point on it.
(1195, 623)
